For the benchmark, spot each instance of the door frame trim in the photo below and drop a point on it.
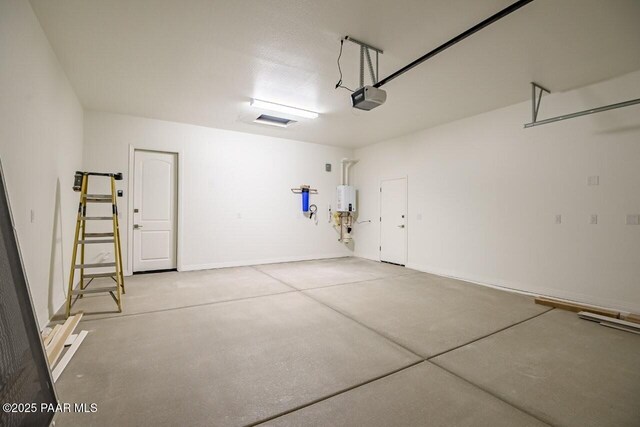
(406, 249)
(130, 185)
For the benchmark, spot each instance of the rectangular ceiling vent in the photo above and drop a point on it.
(266, 119)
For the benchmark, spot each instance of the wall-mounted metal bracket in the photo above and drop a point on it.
(536, 97)
(536, 92)
(365, 53)
(304, 188)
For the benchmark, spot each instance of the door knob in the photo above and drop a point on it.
(136, 226)
(401, 226)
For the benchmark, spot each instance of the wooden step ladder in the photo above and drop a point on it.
(83, 238)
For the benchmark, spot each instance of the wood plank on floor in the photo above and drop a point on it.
(576, 307)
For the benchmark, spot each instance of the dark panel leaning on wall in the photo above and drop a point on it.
(24, 375)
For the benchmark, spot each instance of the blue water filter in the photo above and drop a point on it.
(305, 200)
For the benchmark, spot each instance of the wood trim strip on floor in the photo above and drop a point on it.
(576, 307)
(57, 371)
(47, 340)
(57, 344)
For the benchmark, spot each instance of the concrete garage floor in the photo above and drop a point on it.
(343, 342)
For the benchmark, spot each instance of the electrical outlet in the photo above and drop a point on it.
(593, 180)
(419, 217)
(558, 219)
(593, 219)
(633, 219)
(327, 167)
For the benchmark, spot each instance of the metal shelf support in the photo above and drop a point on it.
(536, 98)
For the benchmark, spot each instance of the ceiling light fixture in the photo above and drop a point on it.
(265, 105)
(273, 121)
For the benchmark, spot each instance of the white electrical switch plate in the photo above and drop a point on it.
(419, 217)
(593, 180)
(633, 219)
(558, 219)
(33, 216)
(594, 219)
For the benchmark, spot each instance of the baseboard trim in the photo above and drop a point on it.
(369, 257)
(573, 297)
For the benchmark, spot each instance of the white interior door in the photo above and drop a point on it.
(154, 211)
(393, 221)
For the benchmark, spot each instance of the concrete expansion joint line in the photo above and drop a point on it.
(496, 396)
(292, 290)
(421, 358)
(490, 334)
(433, 362)
(275, 278)
(302, 292)
(184, 307)
(339, 392)
(336, 284)
(355, 282)
(366, 327)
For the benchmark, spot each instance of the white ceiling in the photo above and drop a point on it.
(201, 61)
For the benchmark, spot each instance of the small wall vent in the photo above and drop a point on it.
(266, 119)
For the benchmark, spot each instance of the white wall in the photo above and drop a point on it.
(40, 148)
(237, 205)
(488, 190)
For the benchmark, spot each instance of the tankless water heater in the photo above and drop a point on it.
(346, 198)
